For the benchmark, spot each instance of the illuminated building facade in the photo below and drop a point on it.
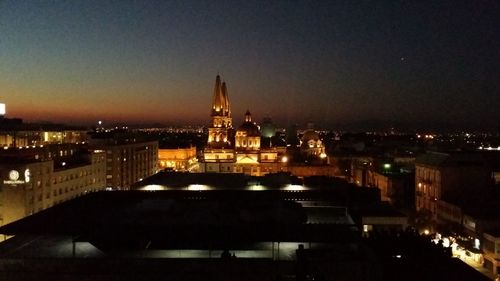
(178, 159)
(30, 183)
(491, 250)
(239, 151)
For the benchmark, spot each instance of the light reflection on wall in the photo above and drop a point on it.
(153, 187)
(198, 187)
(294, 187)
(256, 187)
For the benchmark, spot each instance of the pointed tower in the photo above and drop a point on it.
(220, 131)
(227, 109)
(218, 101)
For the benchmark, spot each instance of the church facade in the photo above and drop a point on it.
(237, 151)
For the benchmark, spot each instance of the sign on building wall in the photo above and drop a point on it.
(14, 177)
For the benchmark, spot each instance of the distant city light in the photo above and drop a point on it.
(2, 108)
(322, 155)
(387, 166)
(284, 159)
(489, 148)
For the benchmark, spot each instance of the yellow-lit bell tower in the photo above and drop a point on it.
(220, 131)
(218, 155)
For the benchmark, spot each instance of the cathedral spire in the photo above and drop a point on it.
(227, 109)
(218, 101)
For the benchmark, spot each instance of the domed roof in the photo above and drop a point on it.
(310, 135)
(249, 127)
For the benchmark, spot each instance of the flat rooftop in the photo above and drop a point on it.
(181, 235)
(133, 220)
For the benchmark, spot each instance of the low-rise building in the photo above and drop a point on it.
(178, 159)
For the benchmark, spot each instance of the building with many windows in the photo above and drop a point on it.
(33, 181)
(129, 158)
(447, 176)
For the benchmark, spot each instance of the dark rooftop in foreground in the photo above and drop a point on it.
(163, 219)
(184, 235)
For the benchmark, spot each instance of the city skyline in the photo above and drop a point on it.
(334, 64)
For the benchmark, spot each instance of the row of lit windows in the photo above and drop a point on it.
(244, 143)
(73, 176)
(63, 191)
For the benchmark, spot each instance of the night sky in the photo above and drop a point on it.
(334, 63)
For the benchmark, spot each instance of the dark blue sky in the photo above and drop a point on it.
(420, 63)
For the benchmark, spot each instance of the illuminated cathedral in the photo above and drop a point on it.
(236, 151)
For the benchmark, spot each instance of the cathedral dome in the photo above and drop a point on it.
(249, 127)
(310, 135)
(311, 139)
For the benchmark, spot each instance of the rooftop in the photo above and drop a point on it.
(165, 219)
(460, 159)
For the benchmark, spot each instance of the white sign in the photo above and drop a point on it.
(14, 178)
(2, 108)
(13, 175)
(27, 175)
